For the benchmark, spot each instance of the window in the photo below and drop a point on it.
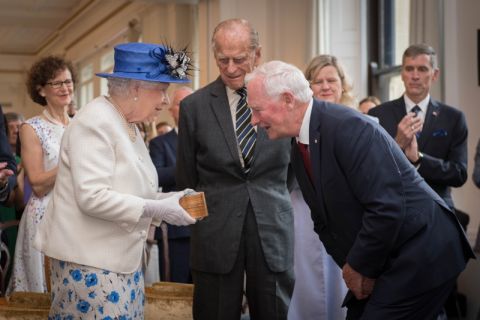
(102, 60)
(86, 84)
(106, 65)
(388, 32)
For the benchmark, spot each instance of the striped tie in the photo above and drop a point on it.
(246, 134)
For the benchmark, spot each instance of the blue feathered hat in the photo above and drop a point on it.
(150, 62)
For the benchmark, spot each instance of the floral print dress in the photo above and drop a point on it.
(28, 264)
(81, 292)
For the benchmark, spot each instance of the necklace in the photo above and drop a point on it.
(50, 118)
(130, 127)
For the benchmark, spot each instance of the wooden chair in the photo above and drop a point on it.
(5, 255)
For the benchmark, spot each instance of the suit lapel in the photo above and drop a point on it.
(431, 116)
(262, 137)
(220, 107)
(399, 109)
(171, 140)
(315, 156)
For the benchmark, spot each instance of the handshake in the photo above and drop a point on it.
(174, 207)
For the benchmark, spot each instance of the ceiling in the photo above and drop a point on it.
(26, 25)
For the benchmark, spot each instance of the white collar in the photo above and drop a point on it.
(232, 94)
(409, 104)
(304, 135)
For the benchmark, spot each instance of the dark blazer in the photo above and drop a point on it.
(443, 142)
(208, 160)
(163, 151)
(476, 166)
(373, 210)
(6, 155)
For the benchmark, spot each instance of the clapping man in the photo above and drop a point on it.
(432, 135)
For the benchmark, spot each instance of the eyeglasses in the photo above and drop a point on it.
(58, 84)
(224, 61)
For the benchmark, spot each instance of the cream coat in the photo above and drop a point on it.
(95, 215)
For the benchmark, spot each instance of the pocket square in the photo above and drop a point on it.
(440, 133)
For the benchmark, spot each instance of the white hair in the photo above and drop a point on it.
(184, 88)
(120, 86)
(279, 77)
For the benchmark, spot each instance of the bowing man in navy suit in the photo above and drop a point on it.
(432, 135)
(163, 151)
(398, 243)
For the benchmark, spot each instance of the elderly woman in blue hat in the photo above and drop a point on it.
(105, 195)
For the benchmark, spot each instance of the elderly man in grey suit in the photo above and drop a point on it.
(249, 230)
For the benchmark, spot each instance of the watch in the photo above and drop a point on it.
(419, 160)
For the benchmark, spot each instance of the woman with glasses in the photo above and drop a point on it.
(50, 84)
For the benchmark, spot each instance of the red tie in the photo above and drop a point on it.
(306, 159)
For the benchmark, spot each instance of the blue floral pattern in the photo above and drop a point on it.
(28, 270)
(81, 292)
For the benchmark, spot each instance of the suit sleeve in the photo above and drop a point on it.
(165, 172)
(476, 169)
(186, 174)
(451, 171)
(367, 160)
(6, 156)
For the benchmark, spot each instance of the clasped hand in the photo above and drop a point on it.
(4, 174)
(360, 285)
(407, 128)
(167, 208)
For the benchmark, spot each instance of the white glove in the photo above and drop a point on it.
(168, 210)
(164, 195)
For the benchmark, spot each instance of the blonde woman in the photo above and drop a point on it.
(329, 81)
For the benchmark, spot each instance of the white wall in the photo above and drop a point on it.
(345, 41)
(12, 83)
(287, 32)
(462, 90)
(284, 29)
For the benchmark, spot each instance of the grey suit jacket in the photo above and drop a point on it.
(208, 160)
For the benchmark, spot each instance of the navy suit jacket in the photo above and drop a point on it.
(443, 142)
(373, 210)
(163, 151)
